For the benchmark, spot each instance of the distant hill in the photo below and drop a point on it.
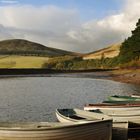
(108, 52)
(24, 47)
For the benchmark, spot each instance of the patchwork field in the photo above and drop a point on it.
(22, 61)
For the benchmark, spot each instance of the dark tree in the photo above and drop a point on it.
(130, 49)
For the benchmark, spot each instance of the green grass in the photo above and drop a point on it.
(22, 61)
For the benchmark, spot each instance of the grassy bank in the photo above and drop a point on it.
(22, 61)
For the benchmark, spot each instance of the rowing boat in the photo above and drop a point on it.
(56, 131)
(114, 107)
(122, 98)
(117, 112)
(120, 129)
(76, 115)
(101, 129)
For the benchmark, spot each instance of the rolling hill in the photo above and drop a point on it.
(24, 47)
(108, 52)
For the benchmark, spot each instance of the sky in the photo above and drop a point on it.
(74, 25)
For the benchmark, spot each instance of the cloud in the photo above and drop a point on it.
(62, 28)
(38, 18)
(112, 29)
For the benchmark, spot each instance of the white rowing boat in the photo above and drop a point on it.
(56, 131)
(121, 110)
(113, 107)
(117, 112)
(120, 129)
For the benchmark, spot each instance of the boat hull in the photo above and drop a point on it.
(78, 131)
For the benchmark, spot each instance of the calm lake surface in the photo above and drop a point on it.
(36, 98)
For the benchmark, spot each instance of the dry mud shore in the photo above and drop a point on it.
(126, 76)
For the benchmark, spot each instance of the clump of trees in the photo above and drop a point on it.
(77, 63)
(130, 49)
(62, 62)
(25, 53)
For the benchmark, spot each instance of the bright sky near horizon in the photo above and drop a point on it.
(75, 25)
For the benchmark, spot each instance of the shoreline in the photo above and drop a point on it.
(124, 75)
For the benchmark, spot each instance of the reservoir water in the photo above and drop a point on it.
(36, 98)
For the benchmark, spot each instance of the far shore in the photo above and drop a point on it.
(131, 76)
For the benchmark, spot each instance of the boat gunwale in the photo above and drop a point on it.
(127, 105)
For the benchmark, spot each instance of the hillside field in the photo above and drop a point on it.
(109, 52)
(22, 61)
